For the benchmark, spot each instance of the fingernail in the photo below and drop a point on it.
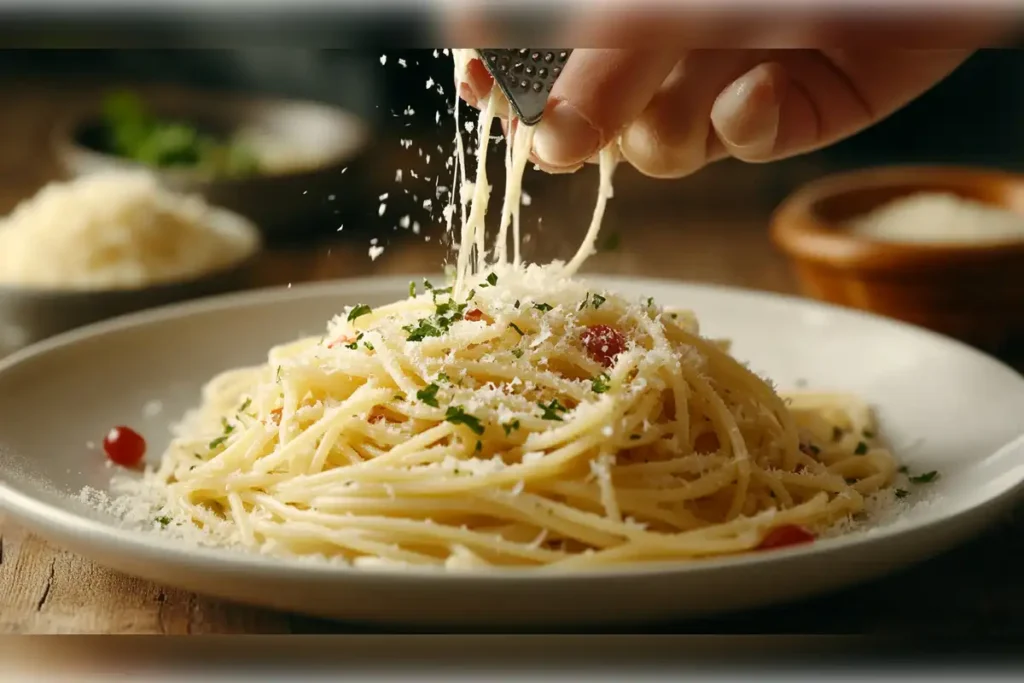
(564, 138)
(746, 113)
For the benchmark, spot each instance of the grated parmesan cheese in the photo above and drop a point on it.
(117, 230)
(939, 218)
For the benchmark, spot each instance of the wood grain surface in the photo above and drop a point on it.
(711, 228)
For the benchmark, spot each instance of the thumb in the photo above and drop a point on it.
(597, 94)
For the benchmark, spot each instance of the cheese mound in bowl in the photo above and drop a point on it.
(113, 243)
(118, 230)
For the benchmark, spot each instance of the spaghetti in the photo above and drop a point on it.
(514, 417)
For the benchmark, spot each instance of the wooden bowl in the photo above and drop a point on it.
(971, 291)
(306, 197)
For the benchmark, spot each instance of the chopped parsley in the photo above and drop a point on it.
(861, 448)
(600, 383)
(650, 302)
(902, 493)
(359, 311)
(442, 377)
(598, 300)
(516, 328)
(543, 307)
(518, 353)
(219, 441)
(424, 329)
(510, 427)
(583, 304)
(279, 373)
(925, 478)
(445, 314)
(553, 410)
(412, 289)
(426, 284)
(516, 303)
(492, 279)
(228, 427)
(248, 402)
(163, 521)
(471, 294)
(368, 345)
(457, 415)
(428, 395)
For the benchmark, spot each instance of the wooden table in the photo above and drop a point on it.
(688, 230)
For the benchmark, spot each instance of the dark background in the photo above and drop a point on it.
(973, 117)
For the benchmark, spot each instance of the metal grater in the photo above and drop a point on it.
(526, 77)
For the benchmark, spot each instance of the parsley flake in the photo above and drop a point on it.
(516, 328)
(598, 300)
(442, 377)
(457, 415)
(492, 279)
(516, 304)
(428, 395)
(219, 441)
(600, 383)
(359, 311)
(902, 493)
(163, 521)
(925, 478)
(248, 402)
(542, 307)
(552, 410)
(510, 427)
(861, 448)
(518, 353)
(412, 289)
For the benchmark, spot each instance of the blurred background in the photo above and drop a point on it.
(378, 187)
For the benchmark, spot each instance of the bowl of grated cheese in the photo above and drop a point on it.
(939, 247)
(113, 243)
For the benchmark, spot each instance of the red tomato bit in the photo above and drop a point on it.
(475, 315)
(124, 446)
(603, 343)
(785, 535)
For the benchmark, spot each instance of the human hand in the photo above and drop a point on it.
(672, 112)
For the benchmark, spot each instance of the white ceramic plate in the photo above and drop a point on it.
(942, 405)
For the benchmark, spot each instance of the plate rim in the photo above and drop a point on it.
(39, 514)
